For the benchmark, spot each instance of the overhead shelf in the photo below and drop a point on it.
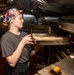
(67, 26)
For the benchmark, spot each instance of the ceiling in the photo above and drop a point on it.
(51, 7)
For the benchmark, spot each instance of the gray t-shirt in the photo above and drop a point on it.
(9, 43)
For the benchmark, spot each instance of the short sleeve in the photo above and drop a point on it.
(6, 47)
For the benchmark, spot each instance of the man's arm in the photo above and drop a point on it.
(13, 59)
(36, 48)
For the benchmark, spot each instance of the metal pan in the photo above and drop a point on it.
(49, 39)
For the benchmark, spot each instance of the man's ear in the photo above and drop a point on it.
(12, 20)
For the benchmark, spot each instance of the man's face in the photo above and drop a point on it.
(18, 21)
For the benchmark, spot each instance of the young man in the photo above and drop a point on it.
(16, 45)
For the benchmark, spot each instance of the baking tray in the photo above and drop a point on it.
(49, 39)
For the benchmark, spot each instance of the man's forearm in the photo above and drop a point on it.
(36, 48)
(12, 59)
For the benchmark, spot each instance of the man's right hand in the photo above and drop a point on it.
(27, 40)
